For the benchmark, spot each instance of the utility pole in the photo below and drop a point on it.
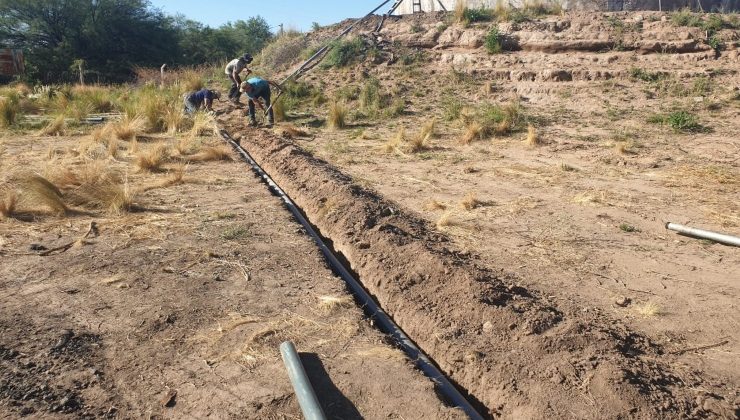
(281, 29)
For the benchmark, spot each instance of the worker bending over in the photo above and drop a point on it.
(257, 88)
(200, 99)
(233, 70)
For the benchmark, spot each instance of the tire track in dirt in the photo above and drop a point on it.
(516, 352)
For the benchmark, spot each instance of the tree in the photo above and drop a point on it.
(113, 36)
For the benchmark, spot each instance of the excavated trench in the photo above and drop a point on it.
(519, 354)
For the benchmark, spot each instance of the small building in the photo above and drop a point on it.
(11, 63)
(415, 6)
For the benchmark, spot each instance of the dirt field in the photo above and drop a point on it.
(576, 219)
(177, 310)
(528, 257)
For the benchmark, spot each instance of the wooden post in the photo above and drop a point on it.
(161, 73)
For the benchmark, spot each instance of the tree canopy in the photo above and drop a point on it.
(112, 37)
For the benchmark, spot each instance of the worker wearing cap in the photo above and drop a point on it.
(257, 88)
(233, 69)
(200, 99)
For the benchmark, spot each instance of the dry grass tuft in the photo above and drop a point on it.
(625, 147)
(105, 195)
(211, 153)
(112, 145)
(382, 353)
(151, 160)
(433, 205)
(174, 120)
(649, 310)
(37, 192)
(8, 201)
(9, 109)
(290, 131)
(470, 202)
(128, 128)
(203, 125)
(393, 143)
(532, 138)
(473, 131)
(446, 221)
(337, 118)
(95, 185)
(429, 130)
(330, 304)
(460, 7)
(588, 197)
(55, 127)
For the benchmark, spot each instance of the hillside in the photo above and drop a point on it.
(553, 167)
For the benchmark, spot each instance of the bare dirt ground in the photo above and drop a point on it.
(177, 310)
(578, 219)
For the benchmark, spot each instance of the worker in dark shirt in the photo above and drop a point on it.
(257, 88)
(200, 99)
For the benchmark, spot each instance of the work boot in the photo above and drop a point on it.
(270, 123)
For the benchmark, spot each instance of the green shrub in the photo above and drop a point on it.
(478, 15)
(451, 106)
(344, 53)
(646, 76)
(683, 121)
(678, 120)
(493, 41)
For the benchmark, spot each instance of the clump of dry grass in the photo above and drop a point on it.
(330, 304)
(433, 205)
(8, 202)
(470, 202)
(460, 7)
(487, 88)
(649, 309)
(203, 125)
(625, 147)
(211, 153)
(473, 131)
(55, 127)
(290, 131)
(94, 185)
(394, 142)
(429, 130)
(411, 144)
(588, 197)
(152, 159)
(129, 127)
(187, 145)
(37, 192)
(105, 195)
(174, 120)
(337, 118)
(532, 138)
(9, 109)
(113, 144)
(446, 220)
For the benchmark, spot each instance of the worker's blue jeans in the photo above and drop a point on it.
(271, 115)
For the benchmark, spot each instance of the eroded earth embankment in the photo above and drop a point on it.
(518, 353)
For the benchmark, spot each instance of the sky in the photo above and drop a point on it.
(296, 14)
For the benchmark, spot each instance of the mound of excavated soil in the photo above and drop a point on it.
(516, 352)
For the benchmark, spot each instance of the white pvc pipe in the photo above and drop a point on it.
(704, 234)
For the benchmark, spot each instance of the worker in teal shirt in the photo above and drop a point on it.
(257, 88)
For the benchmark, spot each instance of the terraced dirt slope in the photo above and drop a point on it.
(177, 310)
(535, 268)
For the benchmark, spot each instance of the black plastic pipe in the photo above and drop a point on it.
(372, 309)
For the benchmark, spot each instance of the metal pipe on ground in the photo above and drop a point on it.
(704, 234)
(301, 384)
(372, 309)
